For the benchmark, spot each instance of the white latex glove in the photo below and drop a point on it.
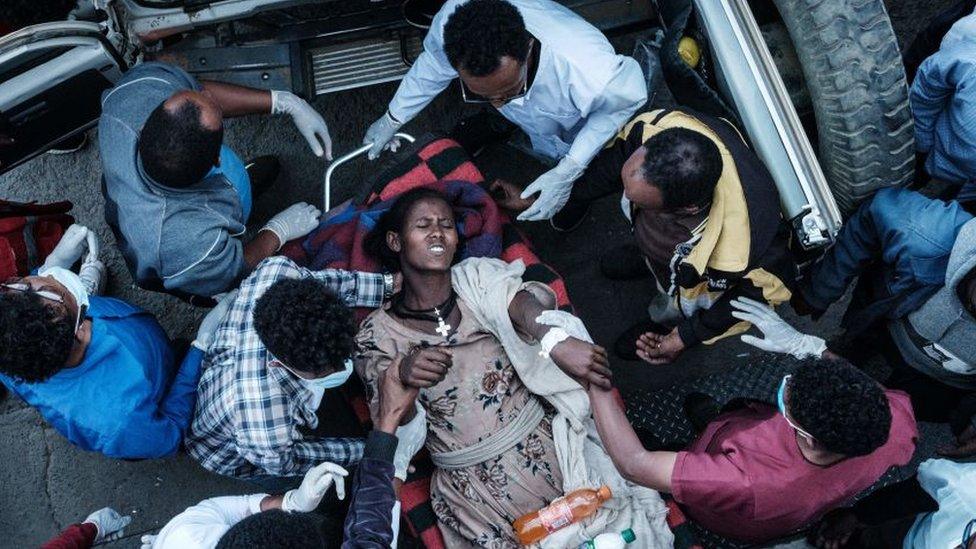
(410, 439)
(147, 541)
(779, 336)
(554, 188)
(395, 521)
(566, 321)
(93, 272)
(212, 320)
(316, 483)
(69, 248)
(294, 222)
(108, 523)
(380, 134)
(308, 121)
(94, 247)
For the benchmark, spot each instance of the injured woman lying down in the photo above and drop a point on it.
(508, 422)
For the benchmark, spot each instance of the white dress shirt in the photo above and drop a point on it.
(953, 486)
(202, 526)
(582, 94)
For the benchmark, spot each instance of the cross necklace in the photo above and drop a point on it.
(437, 314)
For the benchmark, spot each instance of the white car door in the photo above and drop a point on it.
(51, 78)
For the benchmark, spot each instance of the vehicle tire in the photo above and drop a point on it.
(854, 74)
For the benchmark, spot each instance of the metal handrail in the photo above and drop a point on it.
(327, 186)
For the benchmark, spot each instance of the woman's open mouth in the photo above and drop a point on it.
(436, 249)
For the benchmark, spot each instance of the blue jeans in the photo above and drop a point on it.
(233, 169)
(911, 235)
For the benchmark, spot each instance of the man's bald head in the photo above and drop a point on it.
(181, 139)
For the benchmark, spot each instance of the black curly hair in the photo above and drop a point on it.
(393, 220)
(21, 13)
(273, 529)
(840, 406)
(304, 325)
(35, 340)
(684, 164)
(481, 32)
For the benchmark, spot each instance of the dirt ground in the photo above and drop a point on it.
(46, 484)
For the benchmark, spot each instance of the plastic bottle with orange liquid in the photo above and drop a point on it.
(573, 507)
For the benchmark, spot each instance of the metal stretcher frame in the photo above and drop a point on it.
(327, 184)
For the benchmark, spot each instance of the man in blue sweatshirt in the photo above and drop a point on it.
(102, 372)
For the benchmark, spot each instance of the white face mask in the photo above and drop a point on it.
(70, 281)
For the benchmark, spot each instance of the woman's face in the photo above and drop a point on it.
(428, 239)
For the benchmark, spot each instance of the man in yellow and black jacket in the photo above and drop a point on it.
(706, 218)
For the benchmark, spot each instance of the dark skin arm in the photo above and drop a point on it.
(635, 463)
(264, 245)
(238, 100)
(396, 407)
(585, 362)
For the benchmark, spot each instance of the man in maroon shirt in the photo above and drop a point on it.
(758, 473)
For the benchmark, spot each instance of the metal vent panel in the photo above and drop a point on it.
(362, 63)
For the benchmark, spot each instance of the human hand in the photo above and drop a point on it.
(965, 445)
(146, 541)
(779, 336)
(294, 222)
(554, 188)
(69, 249)
(108, 524)
(506, 195)
(396, 400)
(212, 320)
(425, 367)
(380, 135)
(94, 247)
(584, 362)
(410, 439)
(316, 483)
(308, 121)
(93, 272)
(836, 529)
(660, 349)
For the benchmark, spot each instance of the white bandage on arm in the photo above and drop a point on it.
(553, 337)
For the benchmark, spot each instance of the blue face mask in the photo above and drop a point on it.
(780, 396)
(781, 402)
(318, 385)
(332, 380)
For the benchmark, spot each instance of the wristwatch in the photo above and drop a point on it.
(387, 286)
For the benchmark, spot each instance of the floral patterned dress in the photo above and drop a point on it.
(481, 394)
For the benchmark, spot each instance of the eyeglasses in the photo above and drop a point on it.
(16, 285)
(781, 401)
(470, 97)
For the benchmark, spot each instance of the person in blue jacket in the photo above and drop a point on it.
(102, 372)
(943, 99)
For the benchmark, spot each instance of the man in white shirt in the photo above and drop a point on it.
(542, 66)
(935, 509)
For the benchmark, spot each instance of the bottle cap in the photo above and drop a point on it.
(604, 493)
(689, 51)
(628, 535)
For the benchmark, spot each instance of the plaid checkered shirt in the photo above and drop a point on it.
(247, 415)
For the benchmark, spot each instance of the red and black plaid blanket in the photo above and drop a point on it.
(442, 164)
(486, 231)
